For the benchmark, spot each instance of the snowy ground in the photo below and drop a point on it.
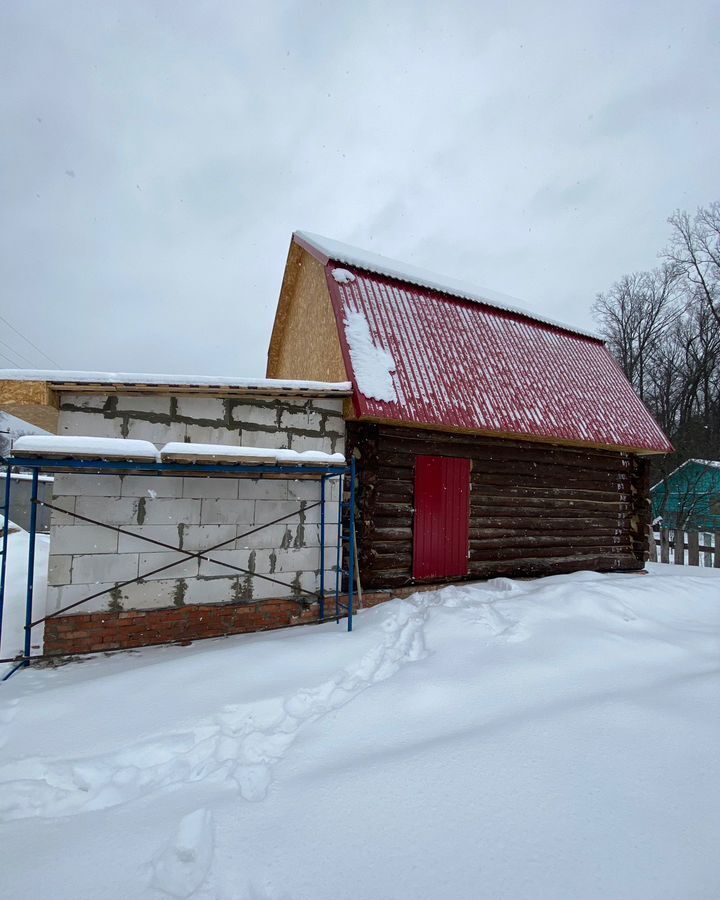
(546, 739)
(13, 621)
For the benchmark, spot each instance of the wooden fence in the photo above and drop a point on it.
(691, 548)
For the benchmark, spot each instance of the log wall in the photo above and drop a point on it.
(535, 509)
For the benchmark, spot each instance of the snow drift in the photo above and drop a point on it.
(552, 738)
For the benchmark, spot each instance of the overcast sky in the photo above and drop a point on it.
(156, 157)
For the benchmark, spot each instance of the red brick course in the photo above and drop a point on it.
(100, 631)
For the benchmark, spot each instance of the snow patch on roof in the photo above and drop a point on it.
(383, 265)
(371, 364)
(76, 377)
(342, 276)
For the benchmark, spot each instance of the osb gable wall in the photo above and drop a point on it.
(536, 509)
(31, 401)
(304, 342)
(192, 513)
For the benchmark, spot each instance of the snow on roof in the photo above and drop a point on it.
(84, 447)
(711, 463)
(373, 366)
(177, 450)
(469, 366)
(382, 265)
(708, 463)
(57, 376)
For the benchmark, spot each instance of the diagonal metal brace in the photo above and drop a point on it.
(201, 555)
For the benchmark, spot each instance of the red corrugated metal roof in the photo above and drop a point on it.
(462, 364)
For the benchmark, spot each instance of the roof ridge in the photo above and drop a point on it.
(327, 249)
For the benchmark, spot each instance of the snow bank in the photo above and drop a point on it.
(88, 447)
(553, 738)
(13, 619)
(373, 366)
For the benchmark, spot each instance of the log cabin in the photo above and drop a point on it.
(490, 441)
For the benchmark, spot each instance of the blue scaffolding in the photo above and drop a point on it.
(345, 541)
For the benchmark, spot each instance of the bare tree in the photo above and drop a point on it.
(663, 326)
(695, 249)
(634, 313)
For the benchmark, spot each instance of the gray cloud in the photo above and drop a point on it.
(158, 155)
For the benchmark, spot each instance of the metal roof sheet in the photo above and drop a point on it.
(326, 249)
(465, 365)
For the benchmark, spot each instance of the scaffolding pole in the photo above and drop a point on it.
(84, 466)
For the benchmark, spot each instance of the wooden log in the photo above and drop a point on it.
(664, 545)
(520, 519)
(522, 455)
(528, 501)
(679, 546)
(393, 432)
(551, 540)
(541, 492)
(510, 506)
(537, 567)
(693, 544)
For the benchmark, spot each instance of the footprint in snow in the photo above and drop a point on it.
(182, 866)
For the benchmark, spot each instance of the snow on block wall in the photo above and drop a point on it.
(192, 513)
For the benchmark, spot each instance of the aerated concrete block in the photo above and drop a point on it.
(244, 559)
(87, 485)
(216, 434)
(60, 596)
(182, 566)
(168, 534)
(89, 424)
(110, 510)
(151, 486)
(201, 537)
(226, 512)
(264, 416)
(85, 539)
(168, 512)
(59, 569)
(212, 488)
(63, 518)
(259, 489)
(275, 440)
(157, 404)
(97, 568)
(203, 408)
(157, 433)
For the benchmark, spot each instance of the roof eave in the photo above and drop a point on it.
(518, 436)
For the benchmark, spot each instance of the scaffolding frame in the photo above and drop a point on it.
(322, 473)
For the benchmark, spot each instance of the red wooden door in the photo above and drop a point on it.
(442, 517)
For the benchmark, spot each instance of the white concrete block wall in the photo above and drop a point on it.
(192, 513)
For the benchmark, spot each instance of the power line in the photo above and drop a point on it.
(15, 352)
(13, 364)
(34, 346)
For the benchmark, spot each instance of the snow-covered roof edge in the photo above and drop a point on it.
(330, 249)
(710, 463)
(57, 376)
